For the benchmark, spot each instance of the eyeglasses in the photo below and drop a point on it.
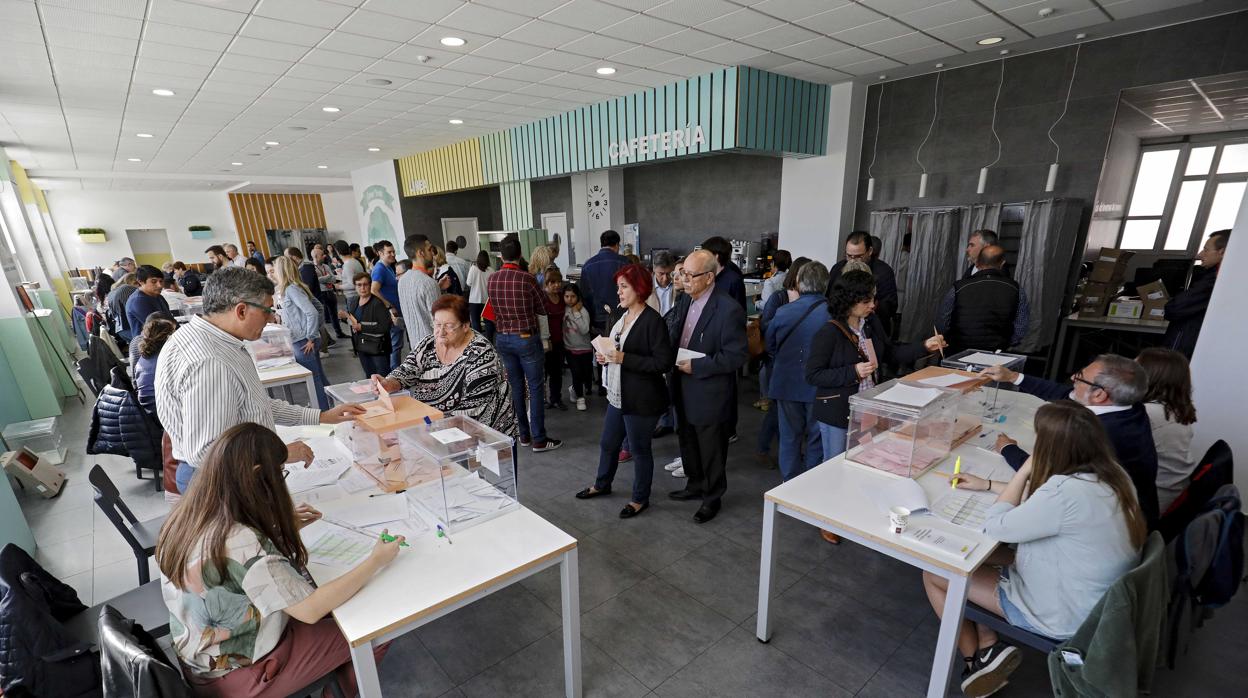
(266, 309)
(690, 276)
(447, 328)
(1078, 378)
(858, 257)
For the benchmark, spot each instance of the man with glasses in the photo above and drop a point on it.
(206, 381)
(858, 247)
(1113, 387)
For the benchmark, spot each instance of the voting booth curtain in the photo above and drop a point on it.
(1046, 262)
(890, 228)
(934, 259)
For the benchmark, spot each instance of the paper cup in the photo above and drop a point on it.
(898, 518)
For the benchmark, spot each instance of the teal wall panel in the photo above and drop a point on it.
(517, 200)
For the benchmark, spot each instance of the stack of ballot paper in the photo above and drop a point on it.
(460, 500)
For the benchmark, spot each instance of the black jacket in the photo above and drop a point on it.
(120, 426)
(1130, 432)
(1186, 312)
(38, 655)
(648, 356)
(191, 284)
(831, 366)
(984, 308)
(133, 664)
(732, 282)
(706, 396)
(885, 288)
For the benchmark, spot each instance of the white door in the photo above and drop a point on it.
(465, 228)
(556, 225)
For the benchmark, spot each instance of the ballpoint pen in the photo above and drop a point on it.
(442, 534)
(363, 531)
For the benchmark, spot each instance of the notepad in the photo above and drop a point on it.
(450, 436)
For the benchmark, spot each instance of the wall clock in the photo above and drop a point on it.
(596, 201)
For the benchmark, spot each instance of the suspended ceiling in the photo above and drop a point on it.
(76, 85)
(1185, 107)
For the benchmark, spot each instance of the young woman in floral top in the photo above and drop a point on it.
(244, 618)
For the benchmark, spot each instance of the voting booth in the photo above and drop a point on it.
(902, 428)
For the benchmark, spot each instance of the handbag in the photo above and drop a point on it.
(834, 409)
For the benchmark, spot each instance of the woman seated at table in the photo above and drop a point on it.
(1078, 531)
(157, 330)
(370, 326)
(634, 375)
(1172, 414)
(457, 370)
(244, 620)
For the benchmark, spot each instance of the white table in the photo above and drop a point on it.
(287, 375)
(830, 497)
(433, 578)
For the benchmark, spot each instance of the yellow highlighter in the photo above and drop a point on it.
(957, 468)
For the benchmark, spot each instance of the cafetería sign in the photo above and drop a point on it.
(662, 143)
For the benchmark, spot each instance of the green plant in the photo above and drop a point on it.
(193, 228)
(90, 231)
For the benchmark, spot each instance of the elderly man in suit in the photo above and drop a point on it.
(707, 321)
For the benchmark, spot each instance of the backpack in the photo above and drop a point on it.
(1212, 471)
(1222, 577)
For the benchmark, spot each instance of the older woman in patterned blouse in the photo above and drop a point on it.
(456, 370)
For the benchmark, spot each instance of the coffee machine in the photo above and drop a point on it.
(745, 255)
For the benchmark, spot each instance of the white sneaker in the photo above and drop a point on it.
(672, 466)
(571, 393)
(580, 404)
(679, 472)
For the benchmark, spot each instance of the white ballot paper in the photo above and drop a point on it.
(981, 358)
(450, 436)
(946, 380)
(909, 395)
(683, 355)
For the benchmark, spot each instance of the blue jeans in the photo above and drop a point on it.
(798, 427)
(833, 440)
(525, 361)
(311, 360)
(396, 346)
(183, 478)
(638, 429)
(769, 428)
(374, 364)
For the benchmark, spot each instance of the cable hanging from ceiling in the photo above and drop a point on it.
(875, 146)
(918, 153)
(983, 172)
(1051, 182)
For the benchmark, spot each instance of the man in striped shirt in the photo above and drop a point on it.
(206, 381)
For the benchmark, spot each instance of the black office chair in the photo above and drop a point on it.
(140, 535)
(983, 616)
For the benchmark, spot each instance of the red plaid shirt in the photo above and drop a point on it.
(517, 300)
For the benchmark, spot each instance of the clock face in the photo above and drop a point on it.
(596, 201)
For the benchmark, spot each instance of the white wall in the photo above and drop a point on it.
(376, 204)
(1219, 381)
(817, 195)
(115, 211)
(340, 216)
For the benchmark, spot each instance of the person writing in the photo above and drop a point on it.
(456, 370)
(206, 381)
(370, 326)
(244, 620)
(634, 373)
(1077, 532)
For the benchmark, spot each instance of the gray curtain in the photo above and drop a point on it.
(888, 227)
(1041, 229)
(976, 217)
(934, 258)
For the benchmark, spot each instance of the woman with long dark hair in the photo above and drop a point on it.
(1171, 414)
(1078, 531)
(244, 620)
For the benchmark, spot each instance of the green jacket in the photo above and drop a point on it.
(1118, 642)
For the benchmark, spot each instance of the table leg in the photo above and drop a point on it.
(947, 640)
(310, 386)
(766, 572)
(366, 670)
(570, 585)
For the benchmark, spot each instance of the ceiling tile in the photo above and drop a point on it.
(284, 31)
(641, 29)
(104, 25)
(793, 10)
(943, 13)
(317, 13)
(431, 38)
(643, 56)
(397, 69)
(507, 50)
(1124, 9)
(779, 37)
(906, 42)
(686, 66)
(596, 46)
(978, 28)
(64, 38)
(588, 15)
(735, 25)
(558, 60)
(358, 45)
(1063, 22)
(382, 26)
(875, 31)
(687, 41)
(185, 36)
(483, 20)
(841, 19)
(336, 59)
(873, 65)
(541, 33)
(120, 8)
(922, 55)
(529, 8)
(692, 13)
(730, 53)
(183, 54)
(317, 72)
(424, 11)
(478, 65)
(185, 14)
(845, 56)
(814, 48)
(244, 46)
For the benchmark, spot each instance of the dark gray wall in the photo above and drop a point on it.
(679, 204)
(551, 196)
(1031, 100)
(424, 214)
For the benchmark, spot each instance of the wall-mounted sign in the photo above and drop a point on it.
(418, 186)
(660, 144)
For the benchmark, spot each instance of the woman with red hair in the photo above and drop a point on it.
(633, 374)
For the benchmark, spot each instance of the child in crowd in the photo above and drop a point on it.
(576, 338)
(553, 283)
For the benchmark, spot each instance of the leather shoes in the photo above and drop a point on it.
(684, 495)
(629, 512)
(590, 493)
(660, 432)
(705, 513)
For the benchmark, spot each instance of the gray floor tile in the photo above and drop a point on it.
(799, 545)
(453, 693)
(877, 581)
(119, 577)
(740, 665)
(60, 525)
(537, 671)
(83, 584)
(724, 576)
(67, 558)
(654, 629)
(603, 574)
(409, 671)
(655, 539)
(475, 637)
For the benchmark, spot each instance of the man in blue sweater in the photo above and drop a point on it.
(147, 299)
(1113, 387)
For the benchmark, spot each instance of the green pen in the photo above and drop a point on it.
(386, 537)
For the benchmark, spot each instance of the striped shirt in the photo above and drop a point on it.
(206, 383)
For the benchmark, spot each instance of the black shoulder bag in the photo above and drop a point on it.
(833, 409)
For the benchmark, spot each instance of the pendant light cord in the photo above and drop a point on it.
(1058, 155)
(935, 112)
(875, 147)
(995, 101)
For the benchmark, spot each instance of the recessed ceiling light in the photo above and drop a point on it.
(331, 110)
(271, 143)
(452, 41)
(605, 70)
(883, 77)
(135, 159)
(143, 135)
(162, 92)
(457, 121)
(990, 40)
(380, 82)
(237, 164)
(374, 150)
(322, 167)
(1003, 51)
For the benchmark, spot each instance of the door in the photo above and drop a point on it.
(149, 246)
(464, 232)
(556, 225)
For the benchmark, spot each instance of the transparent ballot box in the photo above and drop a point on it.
(975, 360)
(477, 468)
(43, 436)
(274, 348)
(902, 428)
(355, 393)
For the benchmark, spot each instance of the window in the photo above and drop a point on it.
(1184, 191)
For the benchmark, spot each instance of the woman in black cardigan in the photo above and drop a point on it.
(840, 362)
(634, 376)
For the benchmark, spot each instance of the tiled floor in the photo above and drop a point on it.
(668, 605)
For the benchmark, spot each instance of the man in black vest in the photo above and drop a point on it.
(987, 310)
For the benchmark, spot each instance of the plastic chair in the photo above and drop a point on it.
(140, 535)
(983, 616)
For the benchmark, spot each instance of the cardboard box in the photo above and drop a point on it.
(1153, 312)
(1094, 299)
(1132, 309)
(1110, 265)
(33, 472)
(1154, 297)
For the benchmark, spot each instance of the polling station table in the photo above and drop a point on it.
(287, 375)
(831, 497)
(437, 575)
(1123, 328)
